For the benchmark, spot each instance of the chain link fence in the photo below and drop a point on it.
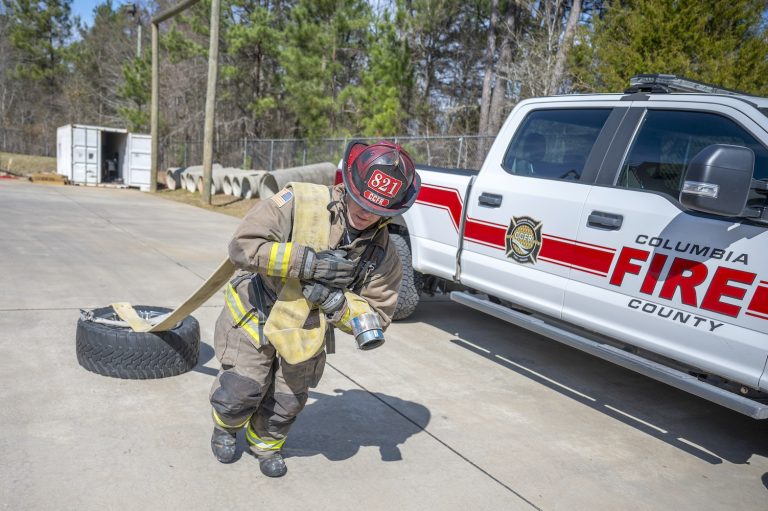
(269, 154)
(272, 154)
(185, 153)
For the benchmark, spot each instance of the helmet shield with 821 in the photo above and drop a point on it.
(381, 178)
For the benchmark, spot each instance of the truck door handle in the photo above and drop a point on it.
(490, 199)
(605, 221)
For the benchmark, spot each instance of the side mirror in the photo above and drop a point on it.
(718, 180)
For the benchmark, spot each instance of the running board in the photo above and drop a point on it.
(662, 373)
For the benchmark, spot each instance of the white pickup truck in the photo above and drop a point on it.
(632, 226)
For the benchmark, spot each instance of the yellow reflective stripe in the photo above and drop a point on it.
(248, 328)
(259, 443)
(251, 324)
(272, 258)
(232, 302)
(279, 257)
(286, 260)
(228, 426)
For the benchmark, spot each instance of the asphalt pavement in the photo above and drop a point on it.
(456, 411)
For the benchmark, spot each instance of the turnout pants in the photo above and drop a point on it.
(257, 390)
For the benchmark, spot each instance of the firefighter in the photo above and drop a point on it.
(309, 259)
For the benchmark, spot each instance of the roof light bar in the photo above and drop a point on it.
(674, 83)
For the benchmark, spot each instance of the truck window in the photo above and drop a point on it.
(554, 144)
(666, 142)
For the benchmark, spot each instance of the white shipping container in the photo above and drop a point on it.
(94, 155)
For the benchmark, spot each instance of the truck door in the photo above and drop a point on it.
(519, 239)
(689, 286)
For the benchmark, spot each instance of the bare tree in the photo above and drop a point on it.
(538, 66)
(556, 78)
(512, 27)
(490, 58)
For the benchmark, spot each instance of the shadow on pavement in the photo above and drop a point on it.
(338, 425)
(206, 354)
(698, 427)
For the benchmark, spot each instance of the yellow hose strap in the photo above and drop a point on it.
(284, 326)
(168, 321)
(356, 306)
(245, 319)
(260, 443)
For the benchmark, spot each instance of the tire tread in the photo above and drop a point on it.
(412, 282)
(123, 353)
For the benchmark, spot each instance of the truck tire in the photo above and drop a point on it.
(410, 286)
(120, 352)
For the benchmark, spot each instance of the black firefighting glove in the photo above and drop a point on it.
(328, 266)
(329, 300)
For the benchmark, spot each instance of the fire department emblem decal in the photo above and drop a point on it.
(523, 239)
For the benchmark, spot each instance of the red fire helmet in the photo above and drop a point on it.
(381, 178)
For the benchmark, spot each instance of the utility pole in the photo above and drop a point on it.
(210, 98)
(210, 102)
(133, 10)
(155, 108)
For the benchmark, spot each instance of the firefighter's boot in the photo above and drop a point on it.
(273, 465)
(224, 445)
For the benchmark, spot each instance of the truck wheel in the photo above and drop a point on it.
(120, 352)
(410, 286)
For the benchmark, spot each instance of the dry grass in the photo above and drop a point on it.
(221, 203)
(25, 165)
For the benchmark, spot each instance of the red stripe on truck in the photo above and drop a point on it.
(578, 256)
(584, 257)
(443, 198)
(488, 234)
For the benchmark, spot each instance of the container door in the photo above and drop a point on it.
(140, 160)
(64, 151)
(85, 155)
(523, 211)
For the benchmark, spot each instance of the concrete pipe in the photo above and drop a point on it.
(319, 173)
(174, 178)
(268, 186)
(237, 183)
(248, 185)
(215, 187)
(190, 175)
(229, 179)
(217, 181)
(190, 179)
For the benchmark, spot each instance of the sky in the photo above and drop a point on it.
(84, 8)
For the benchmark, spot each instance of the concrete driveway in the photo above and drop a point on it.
(457, 411)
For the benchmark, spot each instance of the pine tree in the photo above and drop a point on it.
(135, 91)
(378, 105)
(100, 59)
(39, 30)
(717, 42)
(249, 75)
(320, 57)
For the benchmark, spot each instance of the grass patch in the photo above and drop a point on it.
(226, 204)
(25, 165)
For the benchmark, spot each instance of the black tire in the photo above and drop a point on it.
(122, 353)
(412, 283)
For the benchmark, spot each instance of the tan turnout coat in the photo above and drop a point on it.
(271, 221)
